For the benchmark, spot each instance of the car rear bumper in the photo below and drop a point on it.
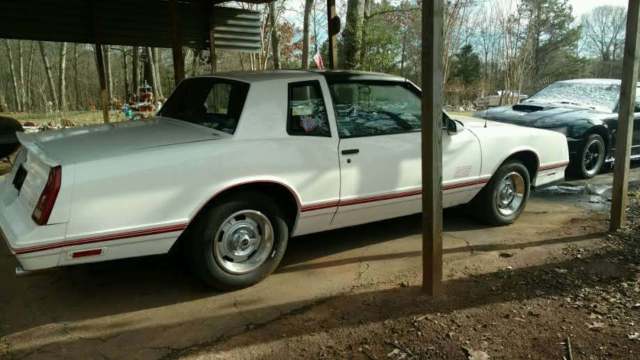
(20, 232)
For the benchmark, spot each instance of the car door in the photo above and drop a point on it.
(380, 164)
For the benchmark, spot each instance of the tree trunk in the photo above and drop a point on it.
(194, 62)
(30, 101)
(135, 70)
(352, 34)
(62, 83)
(23, 87)
(363, 37)
(47, 69)
(149, 72)
(156, 69)
(14, 81)
(125, 71)
(275, 47)
(308, 5)
(76, 80)
(107, 66)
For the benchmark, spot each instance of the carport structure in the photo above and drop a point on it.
(178, 23)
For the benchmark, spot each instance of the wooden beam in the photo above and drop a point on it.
(333, 24)
(432, 13)
(176, 42)
(625, 118)
(102, 74)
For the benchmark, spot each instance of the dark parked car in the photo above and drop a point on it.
(585, 110)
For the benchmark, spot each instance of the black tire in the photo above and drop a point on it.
(583, 165)
(485, 205)
(201, 251)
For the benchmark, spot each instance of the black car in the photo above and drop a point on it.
(584, 110)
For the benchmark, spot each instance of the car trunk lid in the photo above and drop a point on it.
(75, 145)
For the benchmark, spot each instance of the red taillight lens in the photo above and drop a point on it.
(48, 197)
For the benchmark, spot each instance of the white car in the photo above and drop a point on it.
(235, 164)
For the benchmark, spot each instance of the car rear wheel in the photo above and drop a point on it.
(239, 242)
(505, 196)
(590, 160)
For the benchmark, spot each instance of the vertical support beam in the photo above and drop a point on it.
(104, 95)
(333, 23)
(432, 13)
(176, 40)
(625, 118)
(102, 79)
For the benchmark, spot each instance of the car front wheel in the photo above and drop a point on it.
(238, 242)
(591, 158)
(505, 196)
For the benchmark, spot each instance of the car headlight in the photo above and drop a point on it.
(563, 130)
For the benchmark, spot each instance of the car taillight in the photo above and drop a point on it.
(48, 197)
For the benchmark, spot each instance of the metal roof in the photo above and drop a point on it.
(130, 22)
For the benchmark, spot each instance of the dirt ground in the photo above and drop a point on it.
(511, 292)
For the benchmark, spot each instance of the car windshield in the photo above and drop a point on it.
(211, 102)
(602, 97)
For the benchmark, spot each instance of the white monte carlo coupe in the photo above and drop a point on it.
(235, 164)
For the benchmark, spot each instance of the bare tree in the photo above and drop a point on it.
(275, 46)
(23, 87)
(14, 80)
(62, 84)
(106, 51)
(135, 69)
(308, 6)
(47, 69)
(76, 79)
(603, 30)
(352, 34)
(156, 69)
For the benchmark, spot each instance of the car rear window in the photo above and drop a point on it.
(211, 102)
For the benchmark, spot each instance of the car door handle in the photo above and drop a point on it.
(350, 151)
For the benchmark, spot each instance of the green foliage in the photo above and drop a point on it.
(466, 65)
(554, 39)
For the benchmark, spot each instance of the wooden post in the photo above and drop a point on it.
(432, 12)
(176, 40)
(102, 79)
(104, 94)
(333, 23)
(625, 118)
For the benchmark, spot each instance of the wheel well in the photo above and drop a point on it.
(282, 195)
(530, 160)
(600, 130)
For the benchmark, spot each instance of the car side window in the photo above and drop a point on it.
(637, 105)
(366, 108)
(307, 113)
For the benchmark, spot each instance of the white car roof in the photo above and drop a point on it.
(253, 77)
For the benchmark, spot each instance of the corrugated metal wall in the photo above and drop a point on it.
(128, 22)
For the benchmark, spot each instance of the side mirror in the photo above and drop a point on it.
(451, 126)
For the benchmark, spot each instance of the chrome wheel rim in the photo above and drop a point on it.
(510, 194)
(593, 157)
(243, 242)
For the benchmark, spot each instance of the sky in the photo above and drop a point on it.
(581, 7)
